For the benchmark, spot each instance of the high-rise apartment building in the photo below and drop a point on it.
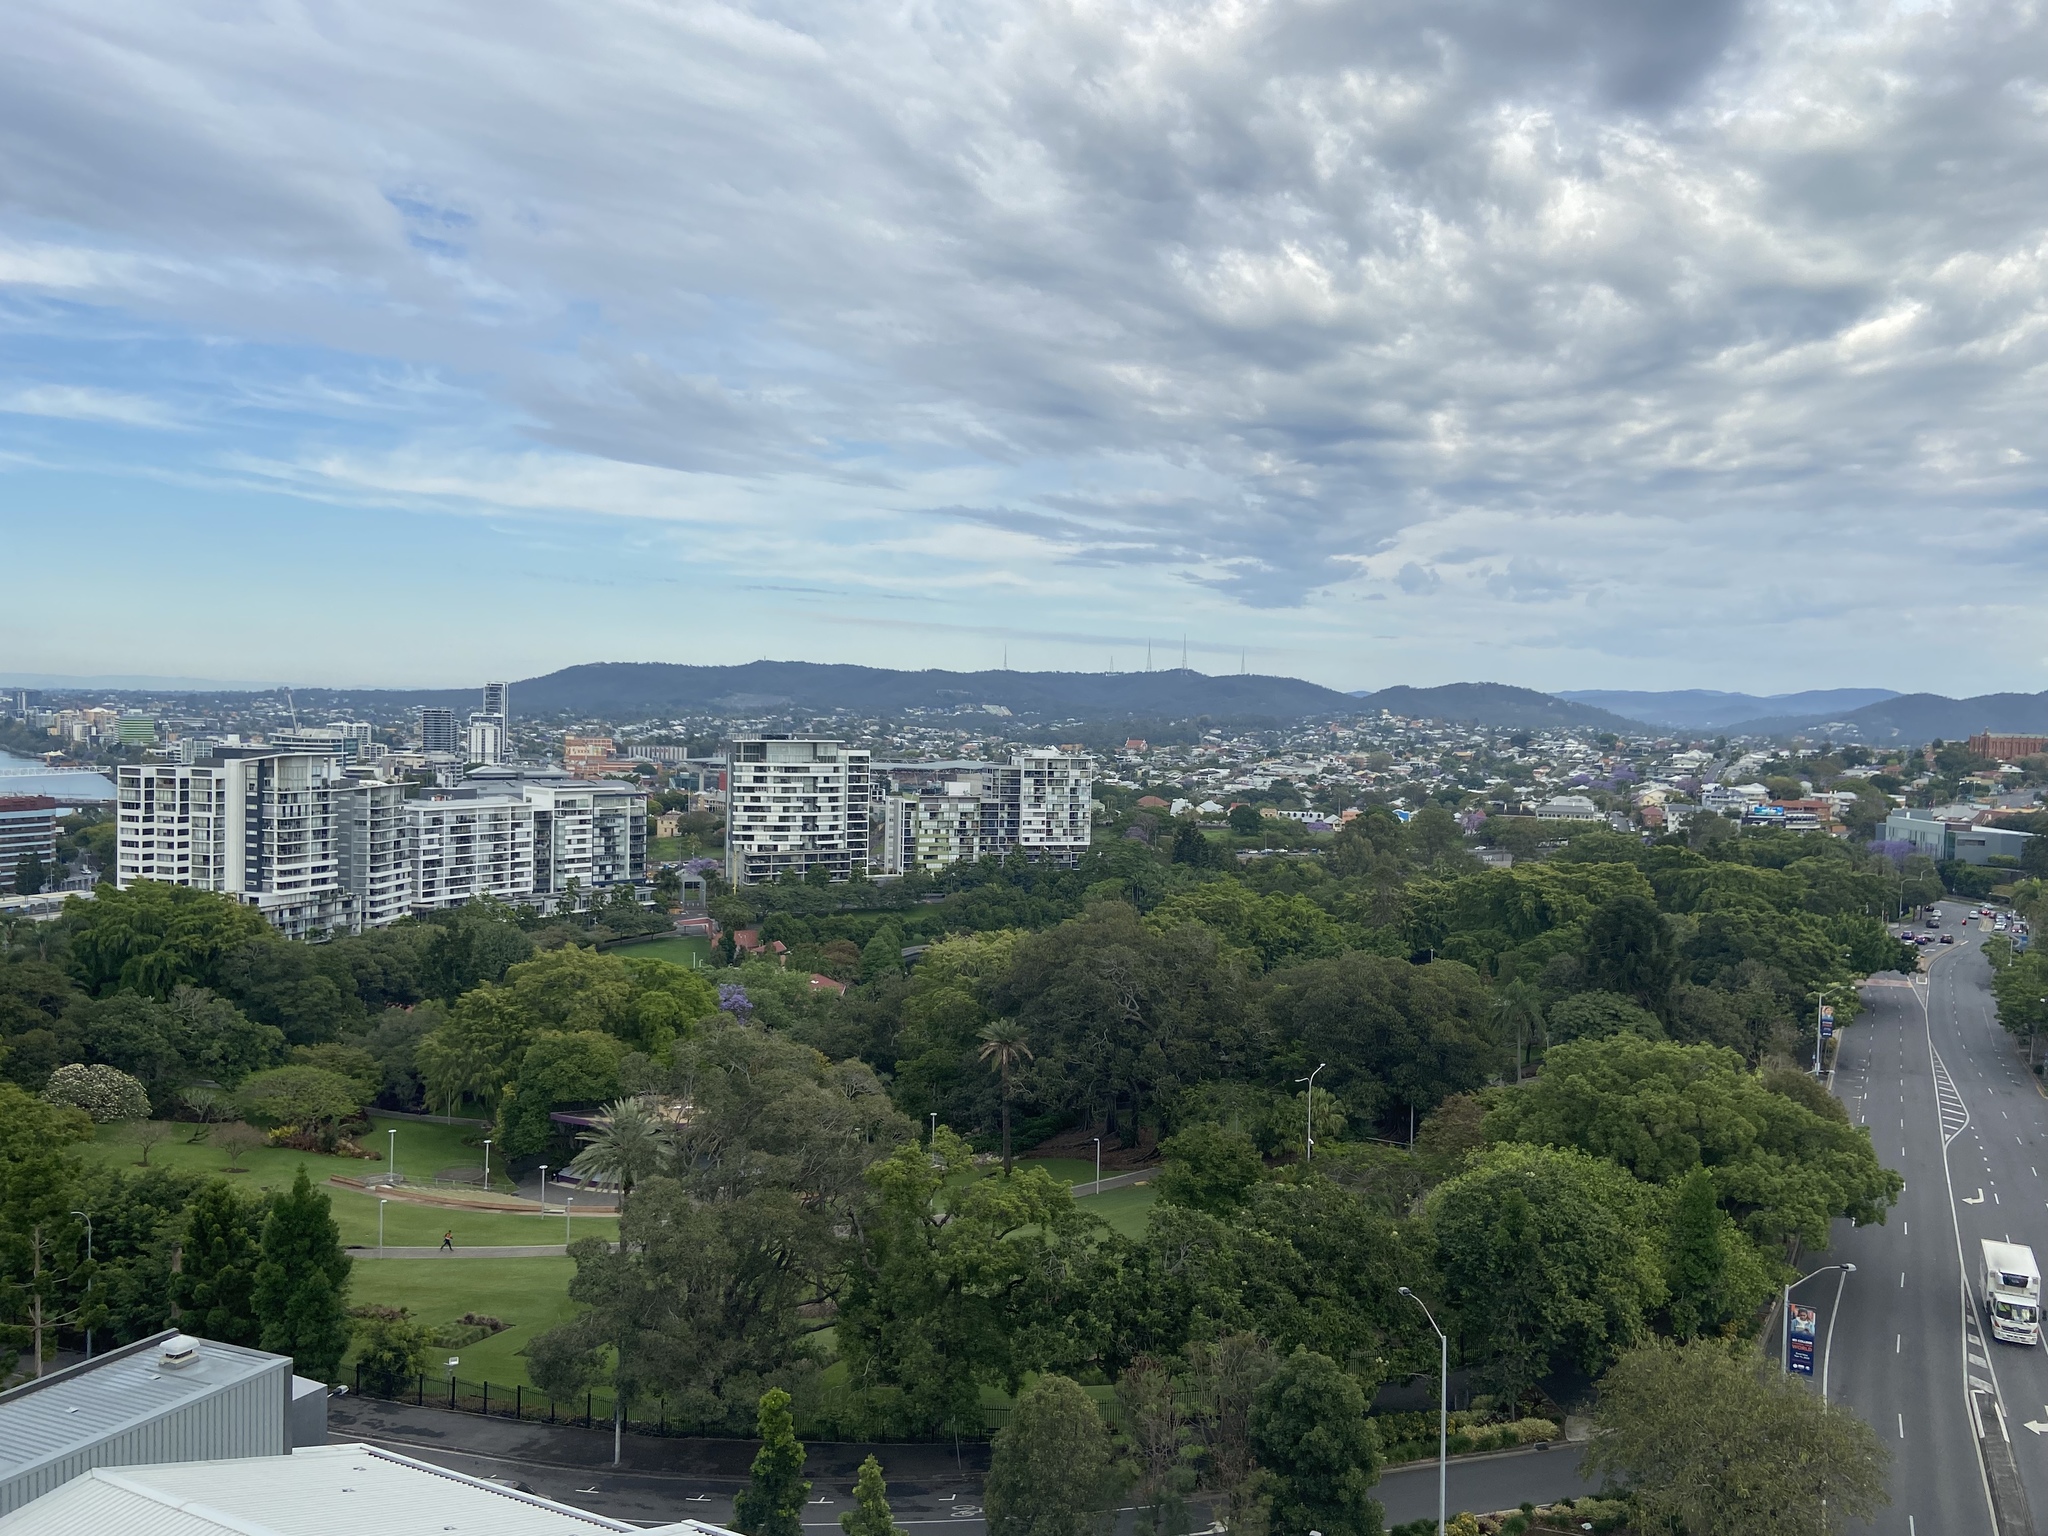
(467, 846)
(252, 823)
(374, 843)
(486, 740)
(930, 815)
(795, 802)
(28, 829)
(496, 696)
(437, 732)
(353, 741)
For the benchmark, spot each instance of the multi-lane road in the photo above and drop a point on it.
(1950, 1103)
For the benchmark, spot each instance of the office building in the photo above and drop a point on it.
(353, 741)
(166, 1398)
(136, 730)
(28, 829)
(437, 732)
(795, 802)
(250, 822)
(1954, 832)
(496, 696)
(930, 815)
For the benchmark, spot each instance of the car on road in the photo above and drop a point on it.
(1948, 938)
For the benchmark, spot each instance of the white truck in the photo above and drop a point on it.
(2011, 1287)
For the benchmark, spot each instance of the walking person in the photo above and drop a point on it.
(448, 1241)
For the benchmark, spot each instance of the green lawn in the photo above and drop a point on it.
(530, 1294)
(688, 953)
(424, 1150)
(407, 1225)
(1126, 1209)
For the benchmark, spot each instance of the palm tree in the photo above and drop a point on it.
(1519, 1005)
(1002, 1046)
(631, 1141)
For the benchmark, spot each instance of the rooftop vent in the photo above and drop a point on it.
(178, 1351)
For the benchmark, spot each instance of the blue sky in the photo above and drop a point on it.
(1629, 344)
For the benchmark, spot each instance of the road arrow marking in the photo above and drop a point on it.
(1978, 1201)
(2036, 1425)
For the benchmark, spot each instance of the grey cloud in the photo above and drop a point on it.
(1270, 284)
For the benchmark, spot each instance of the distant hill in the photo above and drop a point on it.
(651, 690)
(1709, 709)
(1499, 705)
(1915, 717)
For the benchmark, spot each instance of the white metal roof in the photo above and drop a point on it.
(313, 1492)
(44, 1419)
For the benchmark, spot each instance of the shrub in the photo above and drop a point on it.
(105, 1093)
(391, 1349)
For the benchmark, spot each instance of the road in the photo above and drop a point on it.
(1950, 1104)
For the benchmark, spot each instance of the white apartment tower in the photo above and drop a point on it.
(254, 824)
(470, 846)
(794, 802)
(375, 846)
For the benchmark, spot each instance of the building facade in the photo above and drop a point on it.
(795, 803)
(376, 852)
(28, 829)
(252, 823)
(588, 756)
(930, 815)
(2006, 748)
(464, 847)
(438, 733)
(1954, 832)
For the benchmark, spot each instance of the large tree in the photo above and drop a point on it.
(1710, 1438)
(216, 1281)
(1052, 1468)
(301, 1293)
(1320, 1454)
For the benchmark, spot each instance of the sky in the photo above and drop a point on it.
(1567, 343)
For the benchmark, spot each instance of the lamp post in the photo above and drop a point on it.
(487, 1163)
(1785, 1324)
(88, 1282)
(1098, 1165)
(1309, 1152)
(380, 1227)
(391, 1172)
(1443, 1415)
(935, 1128)
(543, 1189)
(567, 1201)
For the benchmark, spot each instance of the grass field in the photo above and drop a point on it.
(423, 1150)
(408, 1225)
(530, 1294)
(688, 953)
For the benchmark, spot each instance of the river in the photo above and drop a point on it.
(26, 776)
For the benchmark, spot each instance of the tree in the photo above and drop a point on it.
(148, 1133)
(237, 1138)
(1320, 1455)
(1002, 1046)
(1629, 950)
(1710, 1438)
(1596, 1015)
(1160, 1429)
(1714, 1274)
(1052, 1469)
(152, 936)
(557, 1070)
(631, 1142)
(29, 875)
(105, 1093)
(870, 1515)
(1245, 820)
(300, 1295)
(216, 1280)
(1781, 1166)
(391, 1350)
(1224, 1380)
(311, 1099)
(772, 1503)
(1547, 1252)
(1209, 1168)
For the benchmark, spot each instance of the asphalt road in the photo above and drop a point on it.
(1950, 1104)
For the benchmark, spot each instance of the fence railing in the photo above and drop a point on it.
(592, 1411)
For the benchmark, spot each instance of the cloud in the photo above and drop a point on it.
(1239, 304)
(69, 402)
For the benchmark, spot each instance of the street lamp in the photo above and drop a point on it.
(1098, 1165)
(380, 1227)
(1309, 1154)
(1443, 1415)
(567, 1201)
(935, 1128)
(391, 1173)
(1785, 1324)
(543, 1189)
(487, 1163)
(88, 1281)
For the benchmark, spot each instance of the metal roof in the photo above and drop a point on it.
(70, 1409)
(313, 1492)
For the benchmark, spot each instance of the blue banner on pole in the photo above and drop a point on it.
(1827, 1022)
(1799, 1343)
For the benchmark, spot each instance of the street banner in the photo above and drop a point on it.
(1799, 1343)
(1827, 1021)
